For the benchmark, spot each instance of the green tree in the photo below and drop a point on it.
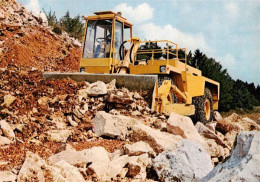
(73, 26)
(213, 70)
(53, 22)
(242, 98)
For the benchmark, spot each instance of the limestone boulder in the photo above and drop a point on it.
(137, 166)
(7, 176)
(225, 126)
(188, 162)
(120, 97)
(217, 116)
(7, 130)
(183, 126)
(138, 148)
(212, 126)
(81, 158)
(5, 141)
(82, 94)
(158, 140)
(108, 170)
(67, 172)
(111, 86)
(230, 138)
(209, 134)
(97, 88)
(58, 135)
(243, 164)
(246, 124)
(115, 167)
(115, 126)
(35, 168)
(32, 168)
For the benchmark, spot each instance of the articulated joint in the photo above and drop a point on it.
(183, 97)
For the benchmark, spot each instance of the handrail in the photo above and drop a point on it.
(170, 49)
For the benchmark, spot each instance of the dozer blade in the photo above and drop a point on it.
(131, 82)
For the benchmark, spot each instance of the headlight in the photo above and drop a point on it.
(82, 69)
(162, 69)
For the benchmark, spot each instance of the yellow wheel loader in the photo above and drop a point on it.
(172, 85)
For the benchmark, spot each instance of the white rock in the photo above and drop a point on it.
(5, 141)
(138, 148)
(7, 130)
(158, 140)
(32, 168)
(8, 100)
(82, 94)
(183, 126)
(207, 133)
(68, 172)
(43, 101)
(108, 170)
(112, 125)
(97, 88)
(7, 176)
(71, 121)
(243, 164)
(58, 135)
(217, 116)
(36, 169)
(189, 162)
(116, 166)
(81, 158)
(76, 43)
(212, 126)
(137, 166)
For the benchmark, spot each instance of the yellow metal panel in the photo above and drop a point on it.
(95, 62)
(144, 69)
(172, 62)
(194, 84)
(214, 83)
(97, 69)
(98, 17)
(215, 105)
(181, 109)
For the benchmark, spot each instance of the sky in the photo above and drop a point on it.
(227, 30)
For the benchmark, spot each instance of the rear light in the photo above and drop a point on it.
(162, 69)
(82, 69)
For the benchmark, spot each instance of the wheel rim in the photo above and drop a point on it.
(207, 109)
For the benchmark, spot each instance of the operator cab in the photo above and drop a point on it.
(105, 32)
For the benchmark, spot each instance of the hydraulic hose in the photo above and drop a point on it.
(120, 50)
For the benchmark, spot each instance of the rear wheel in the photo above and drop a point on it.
(162, 78)
(203, 107)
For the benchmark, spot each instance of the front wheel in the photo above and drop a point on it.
(203, 107)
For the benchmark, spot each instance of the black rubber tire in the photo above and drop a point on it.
(199, 103)
(161, 78)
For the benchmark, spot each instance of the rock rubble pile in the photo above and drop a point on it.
(90, 131)
(27, 41)
(62, 130)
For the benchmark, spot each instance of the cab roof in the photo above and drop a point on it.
(109, 15)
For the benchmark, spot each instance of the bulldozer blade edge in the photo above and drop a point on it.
(131, 82)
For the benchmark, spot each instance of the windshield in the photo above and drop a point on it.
(118, 38)
(98, 39)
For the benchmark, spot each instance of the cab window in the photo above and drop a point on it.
(98, 39)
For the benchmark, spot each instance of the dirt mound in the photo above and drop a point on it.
(26, 41)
